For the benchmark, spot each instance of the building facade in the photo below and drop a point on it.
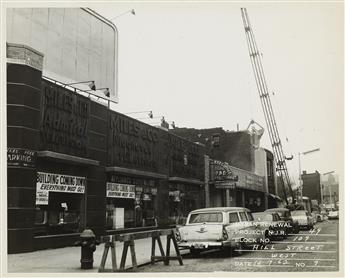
(75, 164)
(256, 187)
(311, 186)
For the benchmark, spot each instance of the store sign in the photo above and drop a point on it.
(255, 182)
(225, 185)
(64, 120)
(21, 157)
(50, 182)
(119, 190)
(146, 197)
(42, 197)
(223, 172)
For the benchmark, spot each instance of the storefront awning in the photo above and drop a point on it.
(66, 158)
(184, 180)
(135, 172)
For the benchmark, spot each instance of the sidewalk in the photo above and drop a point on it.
(68, 259)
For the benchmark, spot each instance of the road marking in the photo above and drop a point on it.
(266, 265)
(320, 266)
(300, 242)
(284, 259)
(286, 251)
(312, 234)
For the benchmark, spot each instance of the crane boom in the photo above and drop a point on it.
(261, 84)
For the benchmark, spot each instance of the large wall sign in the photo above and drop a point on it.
(133, 144)
(21, 157)
(77, 43)
(118, 190)
(65, 119)
(50, 182)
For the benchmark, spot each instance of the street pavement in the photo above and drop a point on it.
(68, 259)
(315, 250)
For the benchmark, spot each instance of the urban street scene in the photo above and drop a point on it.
(171, 137)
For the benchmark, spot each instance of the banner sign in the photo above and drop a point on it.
(120, 190)
(60, 183)
(21, 157)
(50, 182)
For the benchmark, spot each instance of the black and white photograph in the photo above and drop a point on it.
(182, 138)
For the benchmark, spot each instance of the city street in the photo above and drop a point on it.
(315, 250)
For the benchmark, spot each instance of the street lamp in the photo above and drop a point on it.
(299, 169)
(132, 11)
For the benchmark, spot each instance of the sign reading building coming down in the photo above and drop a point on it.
(119, 190)
(50, 182)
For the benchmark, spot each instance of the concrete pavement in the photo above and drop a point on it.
(68, 259)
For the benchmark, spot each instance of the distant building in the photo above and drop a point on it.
(256, 187)
(311, 185)
(330, 190)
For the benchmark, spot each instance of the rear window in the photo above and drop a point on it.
(268, 217)
(216, 217)
(233, 217)
(299, 213)
(243, 216)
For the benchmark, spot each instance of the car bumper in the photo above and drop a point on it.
(205, 245)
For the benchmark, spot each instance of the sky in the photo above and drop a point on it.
(189, 62)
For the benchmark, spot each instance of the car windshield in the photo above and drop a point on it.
(216, 217)
(258, 215)
(299, 213)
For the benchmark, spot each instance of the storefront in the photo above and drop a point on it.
(59, 203)
(183, 198)
(131, 202)
(231, 186)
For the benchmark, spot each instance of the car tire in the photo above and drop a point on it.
(240, 246)
(296, 229)
(194, 252)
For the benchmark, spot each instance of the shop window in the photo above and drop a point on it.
(60, 216)
(120, 213)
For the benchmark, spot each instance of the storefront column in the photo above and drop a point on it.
(207, 177)
(24, 75)
(227, 197)
(243, 199)
(266, 200)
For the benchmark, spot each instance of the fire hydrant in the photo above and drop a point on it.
(88, 244)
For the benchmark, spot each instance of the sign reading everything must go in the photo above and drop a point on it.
(49, 182)
(119, 190)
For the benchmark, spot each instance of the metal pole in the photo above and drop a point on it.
(300, 176)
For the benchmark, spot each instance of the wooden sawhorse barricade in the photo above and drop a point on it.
(128, 242)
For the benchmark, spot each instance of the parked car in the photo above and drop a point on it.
(333, 214)
(304, 218)
(277, 228)
(314, 217)
(318, 216)
(285, 215)
(227, 228)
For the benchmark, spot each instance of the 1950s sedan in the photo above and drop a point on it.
(230, 228)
